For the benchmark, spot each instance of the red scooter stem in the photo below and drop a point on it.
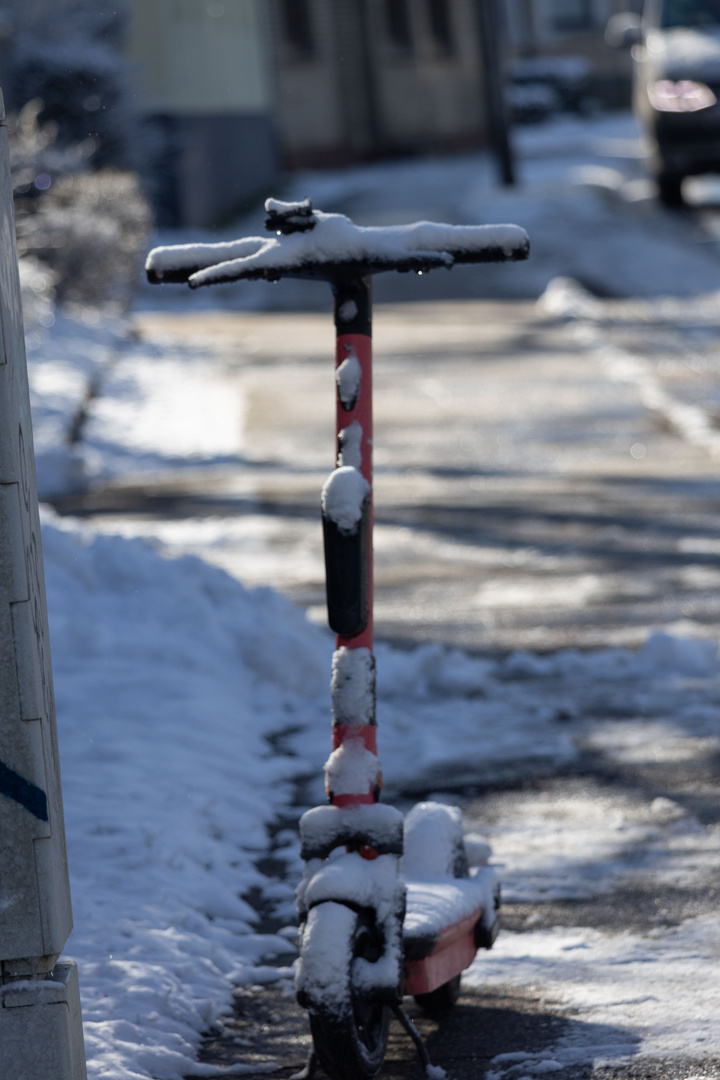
(349, 561)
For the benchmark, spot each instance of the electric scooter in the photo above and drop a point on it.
(388, 905)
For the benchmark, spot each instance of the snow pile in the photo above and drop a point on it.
(68, 358)
(435, 903)
(327, 942)
(169, 679)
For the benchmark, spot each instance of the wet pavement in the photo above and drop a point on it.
(528, 493)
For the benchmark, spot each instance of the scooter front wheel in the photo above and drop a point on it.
(349, 1028)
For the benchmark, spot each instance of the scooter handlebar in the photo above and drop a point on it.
(330, 247)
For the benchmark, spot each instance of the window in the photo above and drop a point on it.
(297, 27)
(397, 20)
(440, 25)
(570, 15)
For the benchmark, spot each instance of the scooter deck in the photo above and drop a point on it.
(446, 921)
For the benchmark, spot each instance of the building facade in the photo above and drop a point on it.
(232, 91)
(546, 29)
(367, 78)
(203, 73)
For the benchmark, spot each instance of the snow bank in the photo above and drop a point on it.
(68, 358)
(169, 679)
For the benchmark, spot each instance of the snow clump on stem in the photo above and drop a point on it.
(353, 686)
(348, 376)
(343, 497)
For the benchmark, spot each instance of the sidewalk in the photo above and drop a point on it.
(526, 496)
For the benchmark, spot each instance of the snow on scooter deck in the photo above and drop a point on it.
(445, 923)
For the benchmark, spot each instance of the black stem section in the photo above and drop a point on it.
(353, 305)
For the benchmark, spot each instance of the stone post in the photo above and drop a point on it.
(40, 1020)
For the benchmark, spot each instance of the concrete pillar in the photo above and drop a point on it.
(40, 1022)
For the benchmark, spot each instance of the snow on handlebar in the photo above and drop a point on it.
(311, 244)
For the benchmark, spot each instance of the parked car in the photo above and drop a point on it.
(676, 53)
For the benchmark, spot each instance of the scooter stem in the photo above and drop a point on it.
(349, 557)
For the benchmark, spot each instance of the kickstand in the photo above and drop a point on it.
(308, 1070)
(415, 1036)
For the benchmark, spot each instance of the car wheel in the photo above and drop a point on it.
(670, 190)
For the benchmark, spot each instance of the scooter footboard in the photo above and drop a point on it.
(446, 922)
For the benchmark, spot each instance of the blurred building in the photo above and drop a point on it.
(369, 78)
(235, 90)
(203, 79)
(567, 37)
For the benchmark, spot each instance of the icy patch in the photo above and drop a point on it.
(348, 376)
(343, 497)
(353, 686)
(350, 439)
(657, 996)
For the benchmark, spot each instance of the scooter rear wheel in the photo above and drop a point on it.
(349, 1028)
(442, 998)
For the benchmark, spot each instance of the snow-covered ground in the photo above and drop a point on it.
(174, 683)
(187, 702)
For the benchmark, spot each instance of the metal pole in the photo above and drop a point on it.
(40, 1021)
(488, 23)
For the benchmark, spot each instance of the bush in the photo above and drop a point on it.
(91, 230)
(77, 212)
(67, 54)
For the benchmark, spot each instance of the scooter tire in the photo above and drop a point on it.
(349, 1029)
(442, 999)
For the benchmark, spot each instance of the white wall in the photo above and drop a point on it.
(200, 56)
